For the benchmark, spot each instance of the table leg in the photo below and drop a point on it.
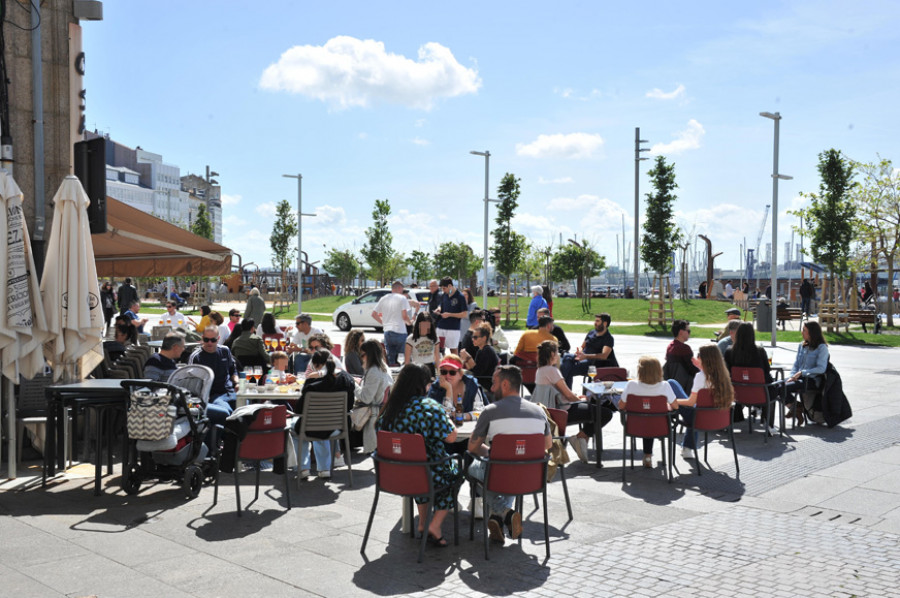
(98, 467)
(598, 432)
(406, 520)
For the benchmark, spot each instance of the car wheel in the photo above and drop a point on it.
(343, 322)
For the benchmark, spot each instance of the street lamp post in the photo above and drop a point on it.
(637, 214)
(300, 216)
(774, 265)
(487, 200)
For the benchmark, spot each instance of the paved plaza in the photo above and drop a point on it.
(815, 512)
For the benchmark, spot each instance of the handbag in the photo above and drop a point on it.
(359, 416)
(150, 416)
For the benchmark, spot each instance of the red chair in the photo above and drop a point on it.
(402, 468)
(527, 362)
(266, 438)
(648, 417)
(516, 466)
(561, 419)
(611, 375)
(336, 350)
(750, 389)
(604, 375)
(709, 418)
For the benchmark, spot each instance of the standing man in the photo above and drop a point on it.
(453, 308)
(434, 301)
(729, 291)
(509, 414)
(537, 302)
(300, 342)
(679, 356)
(127, 295)
(222, 397)
(392, 312)
(597, 350)
(806, 295)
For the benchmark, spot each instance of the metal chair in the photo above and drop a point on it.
(561, 419)
(751, 389)
(197, 379)
(648, 417)
(709, 418)
(326, 412)
(402, 468)
(31, 408)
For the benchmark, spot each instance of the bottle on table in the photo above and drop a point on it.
(459, 410)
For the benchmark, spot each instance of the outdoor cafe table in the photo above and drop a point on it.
(101, 394)
(598, 392)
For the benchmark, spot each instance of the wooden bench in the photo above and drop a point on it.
(782, 315)
(861, 316)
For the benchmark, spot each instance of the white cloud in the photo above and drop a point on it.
(572, 145)
(329, 215)
(420, 122)
(347, 71)
(266, 209)
(556, 181)
(406, 220)
(567, 93)
(658, 94)
(230, 200)
(420, 141)
(687, 139)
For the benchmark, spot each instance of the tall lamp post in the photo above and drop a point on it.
(487, 200)
(774, 266)
(300, 216)
(637, 214)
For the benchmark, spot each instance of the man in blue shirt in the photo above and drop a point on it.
(537, 302)
(453, 308)
(132, 316)
(222, 397)
(161, 365)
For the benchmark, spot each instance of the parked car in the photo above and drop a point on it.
(358, 313)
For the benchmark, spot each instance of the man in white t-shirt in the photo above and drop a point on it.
(392, 312)
(299, 341)
(173, 317)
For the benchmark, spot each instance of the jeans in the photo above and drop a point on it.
(220, 408)
(394, 344)
(322, 449)
(496, 503)
(804, 305)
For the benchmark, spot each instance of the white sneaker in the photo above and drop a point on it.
(687, 453)
(580, 446)
(338, 462)
(304, 473)
(325, 474)
(478, 509)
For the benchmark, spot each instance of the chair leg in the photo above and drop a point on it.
(472, 518)
(546, 524)
(258, 467)
(562, 474)
(624, 449)
(737, 467)
(237, 489)
(362, 549)
(484, 522)
(287, 481)
(347, 459)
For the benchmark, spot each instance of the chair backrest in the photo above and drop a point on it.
(611, 375)
(749, 385)
(517, 464)
(527, 362)
(561, 419)
(196, 378)
(32, 398)
(404, 479)
(265, 436)
(157, 333)
(324, 412)
(336, 350)
(709, 417)
(545, 394)
(647, 416)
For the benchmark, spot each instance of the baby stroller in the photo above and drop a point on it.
(167, 426)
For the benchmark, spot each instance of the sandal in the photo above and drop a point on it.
(436, 542)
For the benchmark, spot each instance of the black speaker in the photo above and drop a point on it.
(90, 168)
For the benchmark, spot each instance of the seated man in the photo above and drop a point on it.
(300, 340)
(596, 350)
(561, 340)
(530, 339)
(132, 318)
(728, 335)
(160, 365)
(222, 397)
(680, 357)
(173, 317)
(732, 314)
(508, 414)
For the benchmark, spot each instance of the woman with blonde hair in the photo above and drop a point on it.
(714, 376)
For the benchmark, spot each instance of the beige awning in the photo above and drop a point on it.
(138, 244)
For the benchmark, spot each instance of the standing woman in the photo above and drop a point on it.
(713, 375)
(422, 346)
(409, 411)
(256, 307)
(375, 382)
(108, 301)
(808, 373)
(745, 353)
(352, 357)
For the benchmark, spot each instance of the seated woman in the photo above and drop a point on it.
(451, 384)
(352, 356)
(650, 383)
(713, 375)
(375, 382)
(485, 360)
(249, 349)
(124, 335)
(745, 353)
(422, 346)
(314, 343)
(580, 411)
(808, 373)
(205, 319)
(268, 327)
(409, 411)
(224, 332)
(331, 380)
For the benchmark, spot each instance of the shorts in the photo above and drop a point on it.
(451, 338)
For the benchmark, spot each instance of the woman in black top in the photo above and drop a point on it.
(746, 353)
(483, 363)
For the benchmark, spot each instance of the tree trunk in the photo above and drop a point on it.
(889, 261)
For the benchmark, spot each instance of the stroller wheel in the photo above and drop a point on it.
(193, 481)
(131, 483)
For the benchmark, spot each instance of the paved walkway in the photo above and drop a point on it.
(814, 513)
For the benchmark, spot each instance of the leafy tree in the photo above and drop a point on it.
(571, 262)
(421, 265)
(532, 265)
(661, 234)
(832, 214)
(877, 199)
(377, 251)
(342, 264)
(509, 246)
(202, 225)
(283, 232)
(457, 261)
(395, 268)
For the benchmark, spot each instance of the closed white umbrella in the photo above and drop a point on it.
(69, 286)
(23, 328)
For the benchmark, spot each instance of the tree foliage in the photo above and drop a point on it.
(509, 246)
(532, 265)
(578, 263)
(661, 234)
(378, 251)
(421, 265)
(202, 225)
(342, 264)
(456, 260)
(282, 240)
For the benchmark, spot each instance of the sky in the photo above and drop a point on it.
(383, 100)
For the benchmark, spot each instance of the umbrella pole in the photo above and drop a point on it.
(11, 432)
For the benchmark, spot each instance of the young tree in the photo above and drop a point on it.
(202, 226)
(509, 246)
(832, 214)
(378, 251)
(661, 234)
(877, 199)
(578, 263)
(532, 265)
(457, 261)
(283, 232)
(421, 265)
(342, 265)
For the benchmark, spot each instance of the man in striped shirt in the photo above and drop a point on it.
(511, 414)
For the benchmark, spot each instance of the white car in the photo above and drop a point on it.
(358, 313)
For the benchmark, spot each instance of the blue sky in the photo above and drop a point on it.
(385, 100)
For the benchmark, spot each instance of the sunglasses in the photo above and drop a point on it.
(210, 340)
(449, 372)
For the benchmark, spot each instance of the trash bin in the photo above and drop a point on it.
(764, 317)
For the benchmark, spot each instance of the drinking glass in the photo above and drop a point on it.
(592, 371)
